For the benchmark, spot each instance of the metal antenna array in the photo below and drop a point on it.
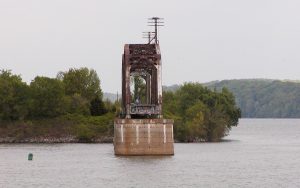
(156, 22)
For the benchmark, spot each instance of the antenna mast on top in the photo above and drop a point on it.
(156, 22)
(148, 35)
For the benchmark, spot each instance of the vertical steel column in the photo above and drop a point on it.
(148, 88)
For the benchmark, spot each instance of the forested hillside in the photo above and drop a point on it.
(262, 98)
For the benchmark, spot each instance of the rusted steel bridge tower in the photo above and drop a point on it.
(141, 130)
(143, 60)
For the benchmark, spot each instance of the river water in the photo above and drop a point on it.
(257, 153)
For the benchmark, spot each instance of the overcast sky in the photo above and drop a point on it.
(203, 40)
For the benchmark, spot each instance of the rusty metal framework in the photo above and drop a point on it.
(143, 60)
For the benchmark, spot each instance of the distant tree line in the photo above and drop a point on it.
(76, 91)
(200, 114)
(263, 98)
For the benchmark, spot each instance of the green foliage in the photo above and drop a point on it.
(110, 106)
(261, 98)
(199, 113)
(14, 96)
(47, 97)
(85, 133)
(139, 89)
(55, 107)
(81, 81)
(97, 107)
(83, 128)
(116, 108)
(76, 91)
(78, 105)
(195, 121)
(84, 85)
(91, 127)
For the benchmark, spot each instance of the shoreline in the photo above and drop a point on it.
(53, 140)
(71, 140)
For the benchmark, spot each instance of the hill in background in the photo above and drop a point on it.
(110, 96)
(261, 98)
(257, 98)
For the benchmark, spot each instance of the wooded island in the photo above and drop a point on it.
(70, 108)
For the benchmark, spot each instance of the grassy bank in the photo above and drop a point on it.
(67, 128)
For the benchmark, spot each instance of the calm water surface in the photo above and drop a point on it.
(258, 153)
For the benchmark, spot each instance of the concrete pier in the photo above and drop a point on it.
(143, 137)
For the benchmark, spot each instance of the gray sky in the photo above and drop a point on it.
(203, 40)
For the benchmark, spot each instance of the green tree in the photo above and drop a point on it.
(139, 89)
(81, 81)
(197, 127)
(84, 82)
(97, 107)
(14, 95)
(199, 113)
(78, 104)
(47, 97)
